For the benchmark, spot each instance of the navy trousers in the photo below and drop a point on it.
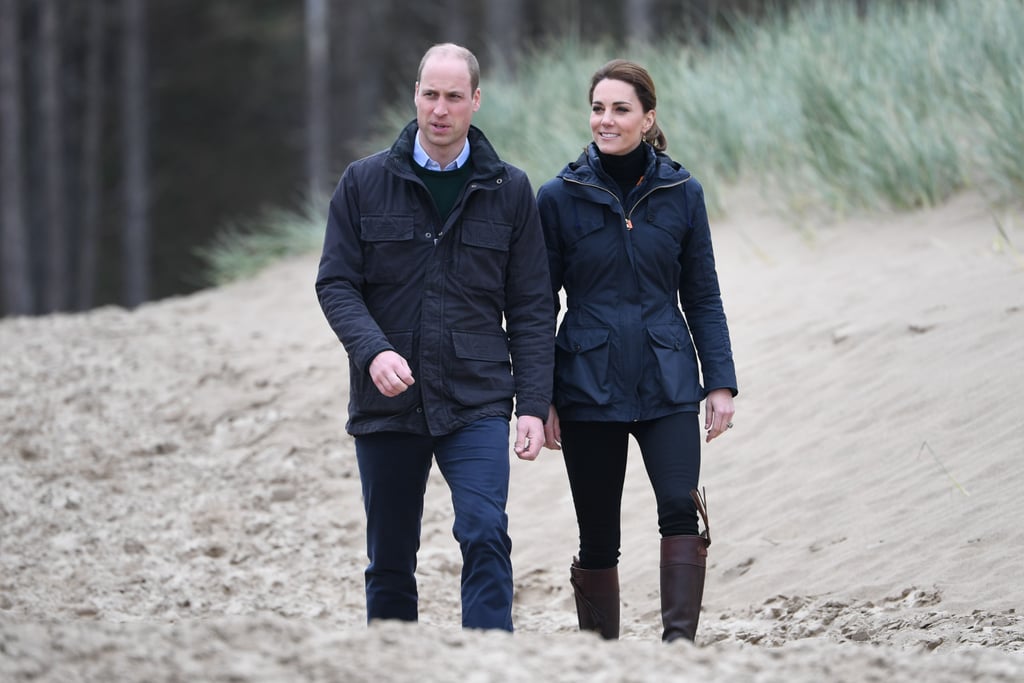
(595, 460)
(393, 469)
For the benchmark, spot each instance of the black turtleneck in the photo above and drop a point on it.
(625, 169)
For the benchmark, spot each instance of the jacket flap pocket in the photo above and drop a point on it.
(667, 336)
(480, 346)
(582, 339)
(486, 234)
(389, 228)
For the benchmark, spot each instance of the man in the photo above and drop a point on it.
(429, 245)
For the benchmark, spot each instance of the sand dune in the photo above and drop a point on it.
(180, 501)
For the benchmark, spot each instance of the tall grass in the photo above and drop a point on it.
(897, 110)
(243, 249)
(819, 107)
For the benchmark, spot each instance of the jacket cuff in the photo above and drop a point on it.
(533, 407)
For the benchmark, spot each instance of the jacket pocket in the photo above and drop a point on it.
(366, 399)
(483, 253)
(386, 247)
(582, 357)
(676, 363)
(663, 211)
(588, 219)
(481, 368)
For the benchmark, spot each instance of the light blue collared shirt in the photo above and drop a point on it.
(419, 155)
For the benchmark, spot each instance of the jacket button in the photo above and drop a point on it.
(499, 181)
(576, 347)
(427, 235)
(419, 409)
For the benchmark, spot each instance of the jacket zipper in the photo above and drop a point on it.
(628, 220)
(629, 225)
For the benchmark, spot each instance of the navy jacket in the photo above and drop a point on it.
(642, 295)
(396, 276)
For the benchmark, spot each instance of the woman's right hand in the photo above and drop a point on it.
(553, 430)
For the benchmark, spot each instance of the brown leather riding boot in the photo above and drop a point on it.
(683, 567)
(683, 563)
(597, 599)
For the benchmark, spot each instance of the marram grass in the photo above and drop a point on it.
(823, 109)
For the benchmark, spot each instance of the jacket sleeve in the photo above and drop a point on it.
(547, 205)
(339, 282)
(701, 298)
(528, 308)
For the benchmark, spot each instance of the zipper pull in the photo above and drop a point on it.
(629, 224)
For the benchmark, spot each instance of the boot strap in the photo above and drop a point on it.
(700, 500)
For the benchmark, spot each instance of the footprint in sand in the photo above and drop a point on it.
(740, 569)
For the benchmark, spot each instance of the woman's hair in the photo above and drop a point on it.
(637, 76)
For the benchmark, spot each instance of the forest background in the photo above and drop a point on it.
(152, 147)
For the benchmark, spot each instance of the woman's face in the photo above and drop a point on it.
(617, 119)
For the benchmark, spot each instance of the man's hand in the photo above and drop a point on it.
(390, 373)
(529, 437)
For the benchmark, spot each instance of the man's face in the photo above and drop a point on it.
(445, 103)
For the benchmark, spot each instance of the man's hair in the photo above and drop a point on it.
(453, 50)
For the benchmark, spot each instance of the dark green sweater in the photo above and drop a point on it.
(444, 186)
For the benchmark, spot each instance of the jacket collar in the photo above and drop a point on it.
(661, 169)
(485, 160)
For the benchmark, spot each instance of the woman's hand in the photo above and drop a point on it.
(553, 431)
(718, 412)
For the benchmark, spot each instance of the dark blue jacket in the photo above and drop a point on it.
(641, 293)
(396, 276)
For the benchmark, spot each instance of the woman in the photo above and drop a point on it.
(628, 239)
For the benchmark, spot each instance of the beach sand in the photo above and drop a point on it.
(180, 501)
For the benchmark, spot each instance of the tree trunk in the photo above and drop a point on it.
(55, 275)
(91, 168)
(362, 77)
(318, 60)
(503, 24)
(19, 297)
(456, 23)
(135, 173)
(638, 22)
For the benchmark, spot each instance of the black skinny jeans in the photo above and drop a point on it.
(595, 460)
